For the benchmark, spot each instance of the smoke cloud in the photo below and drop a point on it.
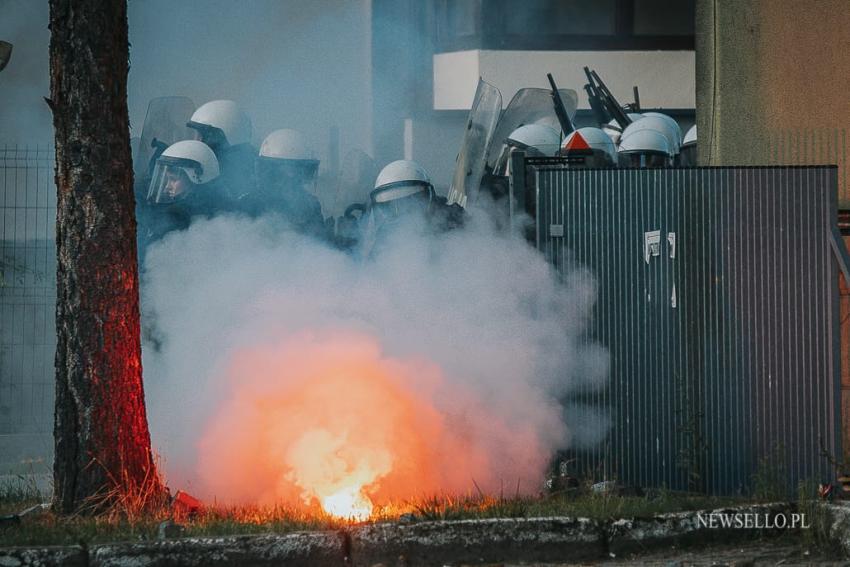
(278, 368)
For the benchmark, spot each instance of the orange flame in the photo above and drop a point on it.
(331, 422)
(349, 503)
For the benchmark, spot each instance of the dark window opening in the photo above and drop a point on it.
(545, 17)
(564, 24)
(663, 17)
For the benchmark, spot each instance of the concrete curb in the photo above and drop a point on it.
(641, 534)
(72, 556)
(839, 525)
(478, 541)
(555, 539)
(304, 548)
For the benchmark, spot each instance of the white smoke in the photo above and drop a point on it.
(484, 307)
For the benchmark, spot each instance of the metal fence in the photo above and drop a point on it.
(718, 302)
(27, 304)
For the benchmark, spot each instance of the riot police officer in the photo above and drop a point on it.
(589, 147)
(403, 194)
(538, 140)
(688, 153)
(647, 143)
(286, 172)
(226, 129)
(184, 185)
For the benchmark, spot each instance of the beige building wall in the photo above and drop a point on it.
(772, 83)
(772, 89)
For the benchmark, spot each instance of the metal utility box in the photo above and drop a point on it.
(718, 303)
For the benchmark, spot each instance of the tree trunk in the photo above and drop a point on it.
(103, 451)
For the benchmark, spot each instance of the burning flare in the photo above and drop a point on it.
(329, 421)
(348, 503)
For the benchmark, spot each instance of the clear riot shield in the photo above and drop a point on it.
(356, 180)
(469, 167)
(165, 124)
(529, 106)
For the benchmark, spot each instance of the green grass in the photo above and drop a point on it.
(48, 528)
(18, 494)
(578, 504)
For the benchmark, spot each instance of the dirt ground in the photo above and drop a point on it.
(749, 554)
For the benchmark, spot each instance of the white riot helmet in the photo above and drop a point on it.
(286, 152)
(643, 146)
(534, 139)
(688, 153)
(180, 169)
(402, 186)
(613, 130)
(674, 131)
(659, 125)
(221, 123)
(690, 137)
(287, 144)
(592, 146)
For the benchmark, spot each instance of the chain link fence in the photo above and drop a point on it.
(27, 307)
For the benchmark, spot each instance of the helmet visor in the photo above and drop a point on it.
(210, 135)
(171, 181)
(644, 159)
(398, 191)
(393, 209)
(688, 156)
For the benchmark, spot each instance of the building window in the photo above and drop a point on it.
(579, 17)
(564, 24)
(663, 17)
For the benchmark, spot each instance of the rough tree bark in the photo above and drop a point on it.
(101, 432)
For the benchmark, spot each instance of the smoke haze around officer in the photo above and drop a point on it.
(484, 307)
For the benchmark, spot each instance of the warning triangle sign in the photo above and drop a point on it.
(576, 142)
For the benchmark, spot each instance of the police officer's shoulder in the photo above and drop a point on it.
(446, 216)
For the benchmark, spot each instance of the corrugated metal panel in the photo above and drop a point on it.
(718, 303)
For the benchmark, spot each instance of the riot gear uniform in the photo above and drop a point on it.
(590, 147)
(184, 185)
(226, 129)
(286, 171)
(403, 192)
(645, 143)
(688, 153)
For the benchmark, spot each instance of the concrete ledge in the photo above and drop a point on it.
(641, 534)
(72, 556)
(307, 548)
(839, 525)
(478, 541)
(498, 540)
